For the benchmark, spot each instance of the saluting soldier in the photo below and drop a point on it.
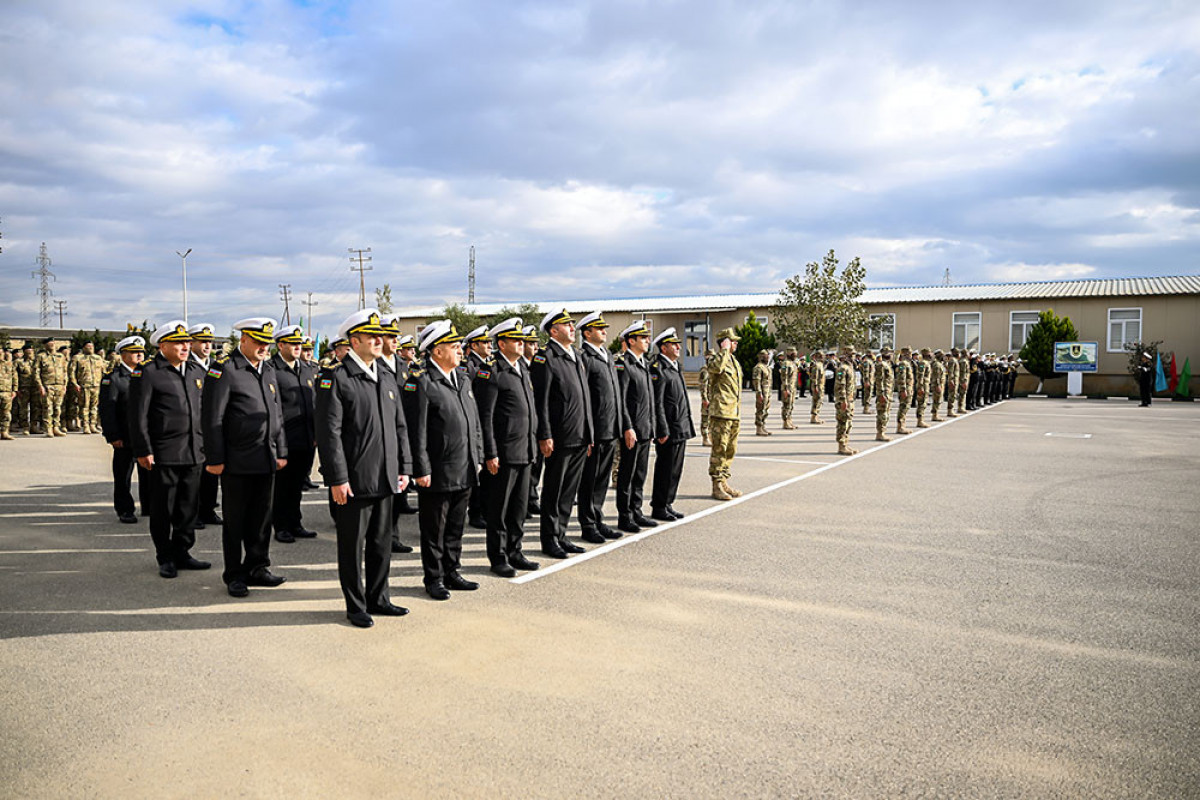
(672, 426)
(203, 335)
(923, 377)
(843, 394)
(608, 422)
(8, 392)
(760, 380)
(703, 386)
(565, 434)
(296, 379)
(114, 418)
(884, 383)
(508, 422)
(937, 381)
(724, 412)
(904, 388)
(366, 456)
(447, 451)
(789, 373)
(478, 350)
(86, 371)
(168, 441)
(50, 378)
(816, 382)
(637, 395)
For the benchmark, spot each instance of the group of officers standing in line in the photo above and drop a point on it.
(50, 392)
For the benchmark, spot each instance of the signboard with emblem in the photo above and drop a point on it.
(1075, 358)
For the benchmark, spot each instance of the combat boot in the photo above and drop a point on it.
(936, 418)
(815, 420)
(49, 433)
(902, 430)
(922, 423)
(718, 492)
(880, 436)
(5, 436)
(59, 432)
(704, 440)
(846, 450)
(729, 490)
(761, 432)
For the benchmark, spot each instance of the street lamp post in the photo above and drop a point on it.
(184, 257)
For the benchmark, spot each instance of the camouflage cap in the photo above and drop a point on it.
(730, 334)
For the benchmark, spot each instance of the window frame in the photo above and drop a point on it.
(1012, 347)
(954, 323)
(881, 315)
(1124, 322)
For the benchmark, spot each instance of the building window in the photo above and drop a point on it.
(886, 335)
(1124, 327)
(695, 337)
(966, 330)
(1019, 323)
(761, 319)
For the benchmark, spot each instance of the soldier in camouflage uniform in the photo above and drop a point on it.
(28, 406)
(964, 378)
(704, 399)
(8, 391)
(67, 415)
(884, 381)
(789, 375)
(724, 412)
(937, 381)
(86, 371)
(816, 382)
(904, 389)
(951, 382)
(50, 377)
(923, 378)
(843, 398)
(866, 368)
(760, 380)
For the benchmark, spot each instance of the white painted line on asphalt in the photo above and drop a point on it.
(763, 458)
(728, 504)
(80, 550)
(1070, 435)
(1119, 417)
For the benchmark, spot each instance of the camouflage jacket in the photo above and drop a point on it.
(843, 387)
(904, 379)
(724, 385)
(937, 374)
(789, 374)
(761, 379)
(49, 369)
(922, 376)
(884, 379)
(816, 373)
(86, 370)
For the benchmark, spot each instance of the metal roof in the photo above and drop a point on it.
(1088, 287)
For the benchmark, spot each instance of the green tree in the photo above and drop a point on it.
(754, 338)
(1038, 352)
(821, 308)
(383, 299)
(102, 341)
(463, 318)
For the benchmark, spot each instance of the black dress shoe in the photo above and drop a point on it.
(199, 525)
(592, 536)
(263, 577)
(400, 547)
(534, 507)
(503, 570)
(644, 522)
(671, 510)
(389, 610)
(285, 536)
(628, 526)
(556, 552)
(607, 532)
(188, 562)
(304, 533)
(437, 590)
(457, 582)
(661, 515)
(212, 519)
(360, 619)
(310, 485)
(128, 519)
(167, 570)
(521, 562)
(405, 508)
(570, 546)
(479, 523)
(237, 588)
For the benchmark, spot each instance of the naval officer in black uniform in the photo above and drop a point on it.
(672, 425)
(392, 360)
(447, 448)
(608, 422)
(296, 379)
(478, 354)
(245, 444)
(508, 421)
(637, 394)
(168, 441)
(114, 421)
(203, 335)
(362, 438)
(564, 429)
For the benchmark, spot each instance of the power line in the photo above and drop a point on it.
(285, 294)
(43, 271)
(471, 278)
(310, 303)
(61, 305)
(362, 285)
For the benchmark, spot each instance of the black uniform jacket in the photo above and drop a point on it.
(672, 411)
(164, 412)
(637, 395)
(443, 428)
(471, 365)
(604, 394)
(560, 390)
(362, 437)
(296, 394)
(507, 414)
(243, 418)
(114, 404)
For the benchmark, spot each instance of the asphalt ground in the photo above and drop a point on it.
(1005, 605)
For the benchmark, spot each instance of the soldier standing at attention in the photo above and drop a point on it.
(50, 378)
(672, 426)
(789, 373)
(530, 347)
(724, 412)
(8, 392)
(843, 393)
(608, 421)
(296, 379)
(637, 395)
(391, 360)
(704, 398)
(407, 349)
(884, 382)
(951, 363)
(937, 381)
(816, 383)
(866, 368)
(923, 379)
(964, 379)
(760, 380)
(168, 442)
(114, 417)
(478, 346)
(28, 412)
(904, 389)
(203, 335)
(87, 370)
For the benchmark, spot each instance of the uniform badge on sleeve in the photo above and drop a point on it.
(137, 373)
(213, 372)
(483, 373)
(409, 386)
(539, 359)
(199, 383)
(326, 383)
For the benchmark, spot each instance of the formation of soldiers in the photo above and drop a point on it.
(50, 392)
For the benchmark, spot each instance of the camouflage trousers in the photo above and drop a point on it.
(902, 405)
(816, 400)
(52, 407)
(724, 435)
(936, 400)
(786, 405)
(5, 411)
(962, 397)
(29, 408)
(89, 407)
(866, 397)
(703, 420)
(845, 421)
(762, 405)
(922, 402)
(883, 407)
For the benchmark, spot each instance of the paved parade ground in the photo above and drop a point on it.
(1005, 605)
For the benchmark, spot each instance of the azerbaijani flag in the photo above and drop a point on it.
(1160, 379)
(1185, 380)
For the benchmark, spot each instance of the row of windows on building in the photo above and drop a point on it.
(1124, 327)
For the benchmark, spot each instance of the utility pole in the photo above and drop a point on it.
(61, 305)
(946, 277)
(310, 303)
(471, 278)
(43, 272)
(361, 268)
(1, 237)
(184, 257)
(285, 294)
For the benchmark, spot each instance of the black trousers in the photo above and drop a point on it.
(208, 494)
(441, 515)
(1145, 391)
(397, 499)
(562, 472)
(535, 476)
(593, 486)
(173, 506)
(668, 468)
(289, 488)
(123, 463)
(478, 504)
(246, 534)
(364, 536)
(631, 479)
(507, 499)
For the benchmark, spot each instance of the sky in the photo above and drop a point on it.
(584, 149)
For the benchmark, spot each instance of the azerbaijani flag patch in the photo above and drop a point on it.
(410, 387)
(327, 383)
(483, 373)
(213, 372)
